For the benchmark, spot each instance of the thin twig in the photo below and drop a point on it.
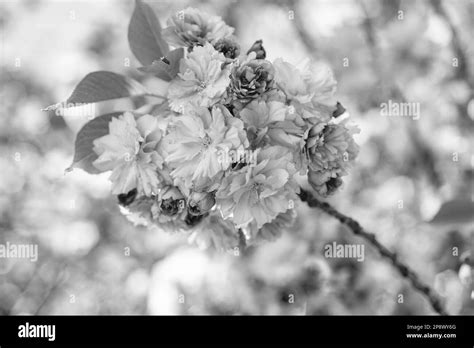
(462, 72)
(154, 95)
(301, 30)
(358, 230)
(53, 288)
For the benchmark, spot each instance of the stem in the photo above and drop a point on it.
(463, 72)
(358, 230)
(242, 240)
(154, 95)
(301, 29)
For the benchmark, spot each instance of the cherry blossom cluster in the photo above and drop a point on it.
(223, 156)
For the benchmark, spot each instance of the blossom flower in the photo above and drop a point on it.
(330, 149)
(271, 230)
(310, 88)
(259, 193)
(215, 233)
(202, 80)
(192, 27)
(260, 117)
(200, 203)
(228, 47)
(131, 151)
(271, 122)
(251, 78)
(196, 141)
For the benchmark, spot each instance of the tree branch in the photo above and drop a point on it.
(463, 72)
(359, 231)
(302, 32)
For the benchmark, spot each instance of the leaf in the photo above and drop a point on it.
(100, 86)
(84, 154)
(144, 34)
(455, 211)
(166, 68)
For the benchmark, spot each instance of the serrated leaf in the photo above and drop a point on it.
(103, 85)
(144, 34)
(455, 211)
(84, 154)
(166, 68)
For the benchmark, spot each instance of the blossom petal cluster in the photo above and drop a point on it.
(223, 156)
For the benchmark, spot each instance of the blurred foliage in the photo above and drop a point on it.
(91, 261)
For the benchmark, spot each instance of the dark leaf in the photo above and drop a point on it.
(102, 85)
(455, 211)
(84, 154)
(144, 34)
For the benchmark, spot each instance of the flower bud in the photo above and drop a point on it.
(200, 203)
(127, 198)
(228, 47)
(257, 47)
(193, 220)
(171, 201)
(339, 110)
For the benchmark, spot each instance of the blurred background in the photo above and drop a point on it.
(412, 184)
